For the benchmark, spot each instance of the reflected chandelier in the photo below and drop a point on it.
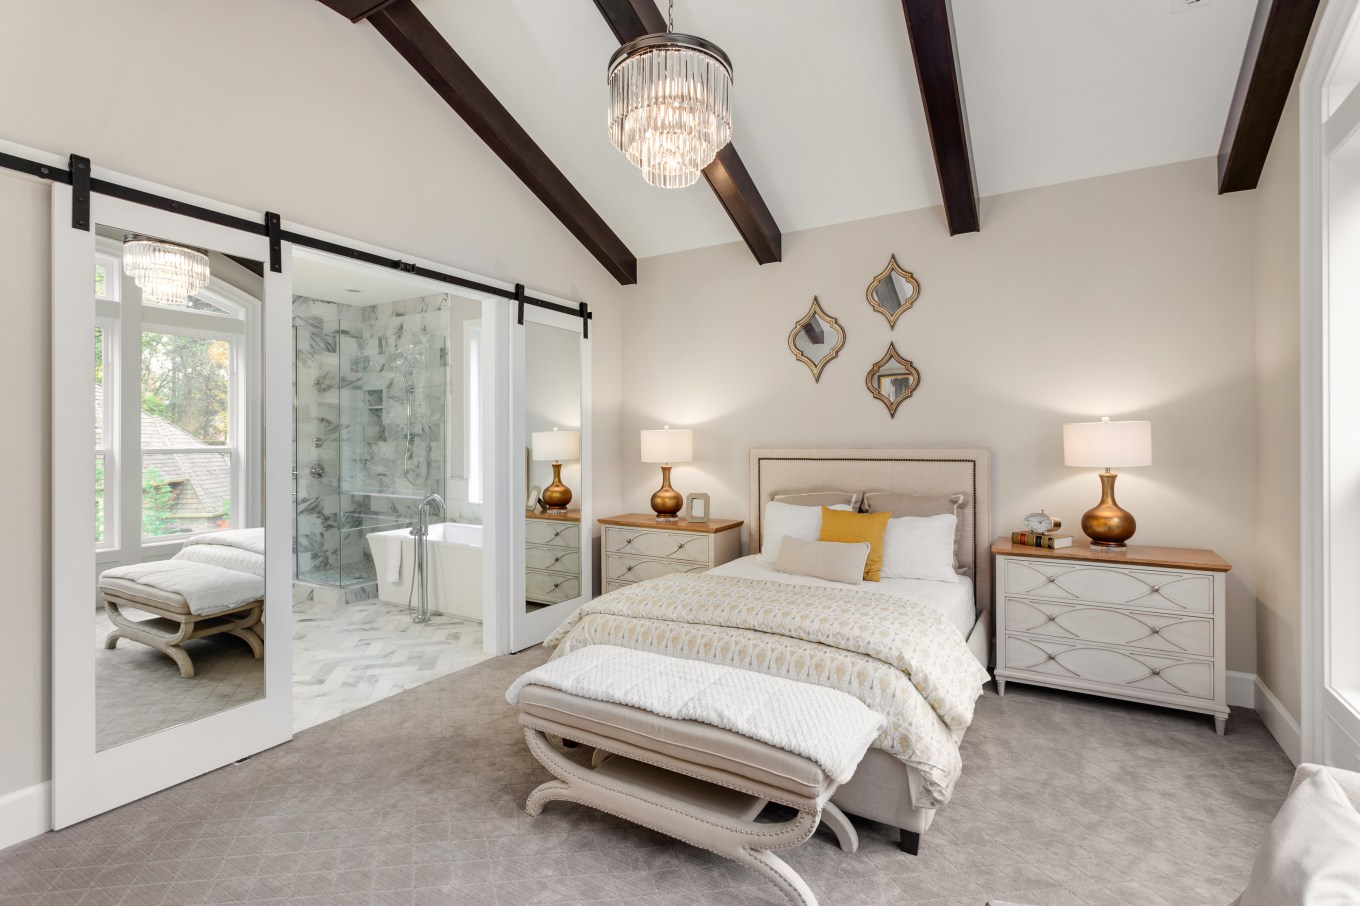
(166, 273)
(669, 105)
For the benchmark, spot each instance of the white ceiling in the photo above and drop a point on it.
(826, 108)
(320, 276)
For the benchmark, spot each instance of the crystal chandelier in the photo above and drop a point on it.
(166, 273)
(668, 105)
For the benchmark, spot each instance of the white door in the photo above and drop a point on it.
(550, 452)
(185, 445)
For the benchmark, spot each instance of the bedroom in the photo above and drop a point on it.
(1108, 277)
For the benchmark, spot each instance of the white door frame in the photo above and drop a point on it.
(1330, 448)
(86, 782)
(529, 628)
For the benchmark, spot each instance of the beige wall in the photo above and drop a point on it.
(1127, 295)
(1276, 272)
(319, 120)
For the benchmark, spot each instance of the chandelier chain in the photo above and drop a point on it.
(670, 16)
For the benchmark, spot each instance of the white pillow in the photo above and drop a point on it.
(782, 519)
(1311, 854)
(834, 561)
(920, 547)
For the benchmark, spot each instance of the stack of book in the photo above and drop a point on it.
(1046, 540)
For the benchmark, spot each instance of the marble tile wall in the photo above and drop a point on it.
(372, 401)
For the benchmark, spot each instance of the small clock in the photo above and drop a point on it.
(1042, 522)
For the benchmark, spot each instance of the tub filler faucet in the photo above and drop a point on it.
(421, 531)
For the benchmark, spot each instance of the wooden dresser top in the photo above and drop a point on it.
(1136, 555)
(649, 520)
(555, 515)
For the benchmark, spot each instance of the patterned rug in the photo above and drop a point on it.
(418, 799)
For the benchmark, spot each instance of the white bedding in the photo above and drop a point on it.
(954, 600)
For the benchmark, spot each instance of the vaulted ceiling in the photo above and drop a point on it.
(827, 109)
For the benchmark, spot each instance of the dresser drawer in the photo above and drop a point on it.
(1112, 668)
(1165, 632)
(554, 534)
(626, 569)
(690, 546)
(553, 559)
(1121, 586)
(550, 588)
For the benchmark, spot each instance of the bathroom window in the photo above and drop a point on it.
(472, 348)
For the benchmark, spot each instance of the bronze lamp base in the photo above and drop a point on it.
(667, 502)
(556, 496)
(1107, 524)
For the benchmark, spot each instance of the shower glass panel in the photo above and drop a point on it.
(372, 392)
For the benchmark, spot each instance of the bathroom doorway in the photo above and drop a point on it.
(389, 428)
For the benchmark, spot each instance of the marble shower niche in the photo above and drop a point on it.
(378, 401)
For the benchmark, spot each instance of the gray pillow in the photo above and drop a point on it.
(901, 504)
(835, 561)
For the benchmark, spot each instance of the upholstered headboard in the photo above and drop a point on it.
(925, 470)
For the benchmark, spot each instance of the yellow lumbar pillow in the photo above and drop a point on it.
(851, 528)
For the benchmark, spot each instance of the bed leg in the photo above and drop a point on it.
(909, 842)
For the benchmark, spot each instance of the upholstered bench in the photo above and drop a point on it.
(172, 622)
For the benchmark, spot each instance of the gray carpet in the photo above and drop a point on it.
(418, 799)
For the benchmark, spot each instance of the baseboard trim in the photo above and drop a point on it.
(1241, 689)
(1278, 721)
(25, 813)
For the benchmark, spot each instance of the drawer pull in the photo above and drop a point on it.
(1156, 671)
(1156, 630)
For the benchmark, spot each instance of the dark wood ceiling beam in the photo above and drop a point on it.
(1279, 34)
(727, 176)
(931, 30)
(357, 10)
(421, 44)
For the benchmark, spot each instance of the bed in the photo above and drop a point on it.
(906, 776)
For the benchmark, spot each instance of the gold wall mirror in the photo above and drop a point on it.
(893, 291)
(892, 379)
(816, 339)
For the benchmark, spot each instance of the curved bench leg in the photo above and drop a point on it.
(744, 842)
(112, 641)
(840, 825)
(254, 641)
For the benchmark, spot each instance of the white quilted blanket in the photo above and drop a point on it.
(207, 589)
(826, 726)
(247, 539)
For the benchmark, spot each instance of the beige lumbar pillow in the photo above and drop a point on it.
(1311, 854)
(834, 561)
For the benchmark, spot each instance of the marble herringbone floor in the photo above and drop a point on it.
(418, 800)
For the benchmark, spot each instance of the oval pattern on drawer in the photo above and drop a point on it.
(557, 534)
(546, 588)
(621, 569)
(1111, 585)
(1109, 667)
(670, 545)
(562, 560)
(1166, 632)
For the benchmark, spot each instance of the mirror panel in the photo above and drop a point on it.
(554, 538)
(892, 379)
(893, 291)
(179, 530)
(816, 339)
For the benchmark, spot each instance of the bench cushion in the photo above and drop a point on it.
(683, 740)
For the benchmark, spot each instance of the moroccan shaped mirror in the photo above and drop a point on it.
(892, 379)
(816, 339)
(893, 291)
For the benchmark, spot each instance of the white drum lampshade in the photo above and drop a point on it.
(1107, 445)
(555, 446)
(667, 446)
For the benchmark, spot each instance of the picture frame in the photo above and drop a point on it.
(697, 508)
(531, 504)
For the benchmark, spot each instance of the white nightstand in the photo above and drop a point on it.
(638, 547)
(552, 556)
(1147, 624)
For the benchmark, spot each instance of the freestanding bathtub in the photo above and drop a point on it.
(454, 568)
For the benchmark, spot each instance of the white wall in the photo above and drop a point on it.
(280, 106)
(1127, 295)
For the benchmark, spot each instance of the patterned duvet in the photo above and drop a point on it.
(901, 659)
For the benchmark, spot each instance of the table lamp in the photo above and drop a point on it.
(556, 446)
(666, 447)
(1106, 444)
